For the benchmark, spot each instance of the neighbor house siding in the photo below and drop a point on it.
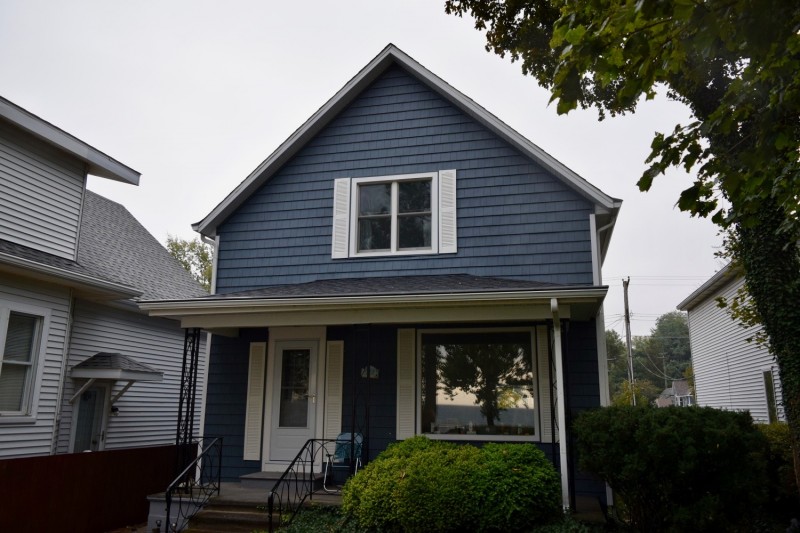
(148, 411)
(42, 191)
(728, 370)
(24, 440)
(515, 220)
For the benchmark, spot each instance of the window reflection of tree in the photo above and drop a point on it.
(496, 369)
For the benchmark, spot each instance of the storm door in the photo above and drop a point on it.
(294, 398)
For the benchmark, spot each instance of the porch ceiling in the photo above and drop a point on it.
(415, 299)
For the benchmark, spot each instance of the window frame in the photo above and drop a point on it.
(537, 411)
(30, 400)
(394, 180)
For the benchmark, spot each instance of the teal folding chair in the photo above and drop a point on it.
(346, 455)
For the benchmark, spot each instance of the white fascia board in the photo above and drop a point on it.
(116, 374)
(718, 280)
(217, 306)
(101, 287)
(351, 90)
(99, 164)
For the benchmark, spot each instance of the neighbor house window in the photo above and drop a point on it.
(478, 384)
(20, 338)
(395, 215)
(769, 388)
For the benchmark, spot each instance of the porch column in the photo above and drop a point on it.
(560, 404)
(186, 400)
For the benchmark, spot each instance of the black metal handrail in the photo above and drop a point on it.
(300, 480)
(195, 485)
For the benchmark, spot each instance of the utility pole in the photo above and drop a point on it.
(631, 380)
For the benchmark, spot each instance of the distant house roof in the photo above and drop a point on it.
(115, 246)
(99, 164)
(725, 275)
(680, 387)
(605, 206)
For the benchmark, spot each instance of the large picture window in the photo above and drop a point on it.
(20, 337)
(479, 384)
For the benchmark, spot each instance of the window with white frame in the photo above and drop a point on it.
(395, 215)
(479, 384)
(20, 341)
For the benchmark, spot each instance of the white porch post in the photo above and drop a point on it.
(560, 395)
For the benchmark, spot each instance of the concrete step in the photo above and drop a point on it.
(229, 518)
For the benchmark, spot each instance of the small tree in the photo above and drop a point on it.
(195, 256)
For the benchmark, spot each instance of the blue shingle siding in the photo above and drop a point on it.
(227, 399)
(583, 392)
(515, 220)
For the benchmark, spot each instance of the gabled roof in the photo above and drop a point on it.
(725, 275)
(604, 204)
(99, 164)
(115, 246)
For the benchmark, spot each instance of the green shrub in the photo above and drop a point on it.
(678, 468)
(424, 485)
(783, 494)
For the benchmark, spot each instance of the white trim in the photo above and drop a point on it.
(30, 401)
(254, 402)
(448, 212)
(334, 389)
(388, 56)
(597, 276)
(407, 403)
(288, 334)
(602, 357)
(561, 395)
(394, 180)
(488, 438)
(98, 163)
(204, 392)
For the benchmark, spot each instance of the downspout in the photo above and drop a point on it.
(62, 375)
(562, 419)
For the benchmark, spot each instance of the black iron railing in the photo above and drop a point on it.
(193, 487)
(300, 481)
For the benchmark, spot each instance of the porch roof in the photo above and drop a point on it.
(401, 299)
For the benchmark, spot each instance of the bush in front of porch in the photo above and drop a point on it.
(425, 485)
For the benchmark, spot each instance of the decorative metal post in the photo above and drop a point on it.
(186, 400)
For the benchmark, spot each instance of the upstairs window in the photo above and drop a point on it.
(395, 215)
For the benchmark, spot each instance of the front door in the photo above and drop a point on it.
(90, 424)
(294, 398)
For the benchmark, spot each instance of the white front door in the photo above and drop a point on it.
(294, 398)
(90, 422)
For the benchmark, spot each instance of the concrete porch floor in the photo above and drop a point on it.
(234, 491)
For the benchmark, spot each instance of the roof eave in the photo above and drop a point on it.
(718, 280)
(99, 164)
(349, 92)
(93, 286)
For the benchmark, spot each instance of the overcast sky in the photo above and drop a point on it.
(195, 94)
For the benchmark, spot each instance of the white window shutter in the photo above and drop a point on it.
(341, 218)
(543, 378)
(254, 416)
(448, 237)
(333, 389)
(406, 402)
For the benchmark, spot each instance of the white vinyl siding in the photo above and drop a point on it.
(148, 410)
(33, 435)
(334, 389)
(728, 370)
(254, 413)
(42, 192)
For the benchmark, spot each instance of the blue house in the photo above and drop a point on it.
(404, 264)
